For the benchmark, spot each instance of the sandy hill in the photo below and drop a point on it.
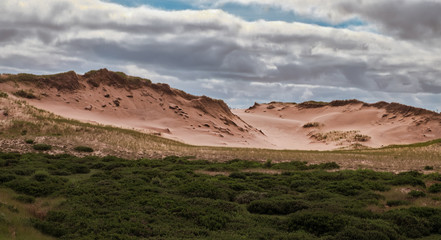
(113, 98)
(342, 124)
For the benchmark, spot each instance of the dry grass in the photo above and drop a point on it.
(16, 224)
(25, 122)
(341, 136)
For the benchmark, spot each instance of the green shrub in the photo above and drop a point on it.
(410, 225)
(79, 169)
(41, 176)
(83, 149)
(248, 196)
(346, 187)
(213, 221)
(268, 164)
(50, 228)
(24, 171)
(292, 165)
(317, 222)
(428, 168)
(239, 175)
(408, 178)
(3, 94)
(394, 203)
(207, 189)
(29, 141)
(352, 233)
(42, 147)
(416, 194)
(237, 164)
(37, 188)
(435, 188)
(6, 177)
(325, 166)
(276, 206)
(25, 199)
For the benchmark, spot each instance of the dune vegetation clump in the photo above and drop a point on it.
(25, 94)
(311, 125)
(3, 94)
(361, 138)
(341, 136)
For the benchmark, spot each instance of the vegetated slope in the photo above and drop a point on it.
(342, 124)
(175, 198)
(113, 98)
(23, 126)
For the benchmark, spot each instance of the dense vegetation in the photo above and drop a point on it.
(180, 198)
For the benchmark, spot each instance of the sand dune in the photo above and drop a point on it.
(342, 124)
(108, 98)
(111, 98)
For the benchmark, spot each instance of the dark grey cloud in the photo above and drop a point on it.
(416, 20)
(203, 54)
(8, 34)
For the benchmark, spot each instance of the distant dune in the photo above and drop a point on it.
(113, 98)
(342, 124)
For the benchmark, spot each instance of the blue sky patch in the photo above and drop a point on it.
(250, 12)
(161, 4)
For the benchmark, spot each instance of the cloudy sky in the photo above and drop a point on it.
(240, 51)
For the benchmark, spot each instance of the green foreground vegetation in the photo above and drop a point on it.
(67, 197)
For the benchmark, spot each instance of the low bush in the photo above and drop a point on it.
(394, 203)
(207, 189)
(428, 167)
(83, 149)
(435, 188)
(276, 206)
(408, 178)
(248, 196)
(325, 166)
(42, 147)
(410, 225)
(41, 176)
(78, 169)
(25, 199)
(37, 188)
(416, 194)
(5, 177)
(29, 141)
(318, 223)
